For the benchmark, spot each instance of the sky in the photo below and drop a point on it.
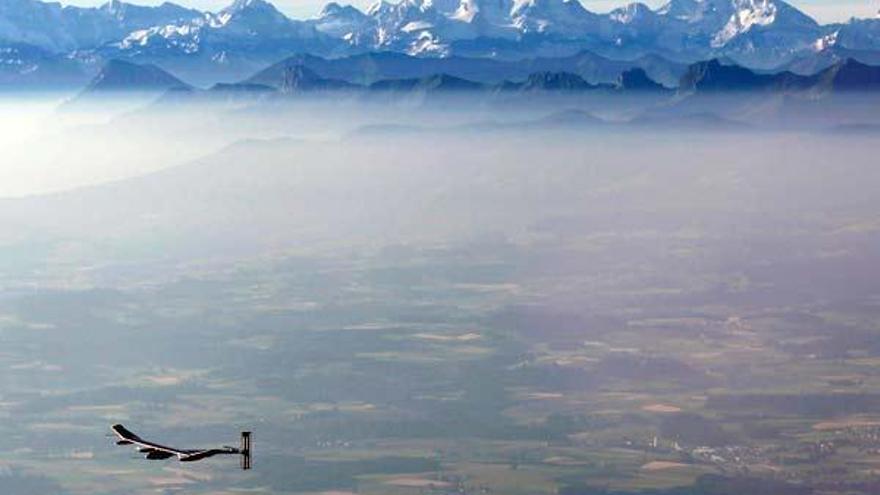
(825, 11)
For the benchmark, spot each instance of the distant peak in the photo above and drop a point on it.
(379, 7)
(555, 80)
(120, 75)
(852, 63)
(259, 15)
(851, 75)
(630, 12)
(637, 79)
(680, 9)
(113, 6)
(331, 8)
(635, 7)
(241, 5)
(334, 9)
(119, 7)
(298, 77)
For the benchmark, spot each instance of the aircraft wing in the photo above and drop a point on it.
(126, 437)
(204, 454)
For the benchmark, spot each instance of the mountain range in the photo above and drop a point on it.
(376, 66)
(46, 44)
(298, 75)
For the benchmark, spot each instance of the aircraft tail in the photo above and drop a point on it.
(245, 450)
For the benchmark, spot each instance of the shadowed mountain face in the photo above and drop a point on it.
(713, 76)
(844, 76)
(299, 78)
(849, 76)
(434, 83)
(554, 81)
(637, 80)
(845, 94)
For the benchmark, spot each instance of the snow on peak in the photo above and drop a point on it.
(183, 37)
(334, 9)
(629, 13)
(685, 10)
(253, 17)
(343, 22)
(378, 8)
(748, 13)
(114, 7)
(239, 5)
(428, 44)
(467, 10)
(416, 26)
(825, 42)
(331, 8)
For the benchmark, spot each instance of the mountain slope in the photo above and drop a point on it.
(714, 76)
(637, 80)
(554, 81)
(122, 76)
(29, 67)
(848, 76)
(438, 83)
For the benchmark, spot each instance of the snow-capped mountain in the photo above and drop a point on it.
(58, 29)
(245, 22)
(434, 27)
(342, 21)
(223, 46)
(757, 31)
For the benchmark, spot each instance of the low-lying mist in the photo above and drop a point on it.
(202, 180)
(57, 142)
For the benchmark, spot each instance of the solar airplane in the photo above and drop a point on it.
(155, 451)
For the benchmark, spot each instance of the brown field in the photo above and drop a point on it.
(841, 424)
(661, 465)
(417, 483)
(661, 408)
